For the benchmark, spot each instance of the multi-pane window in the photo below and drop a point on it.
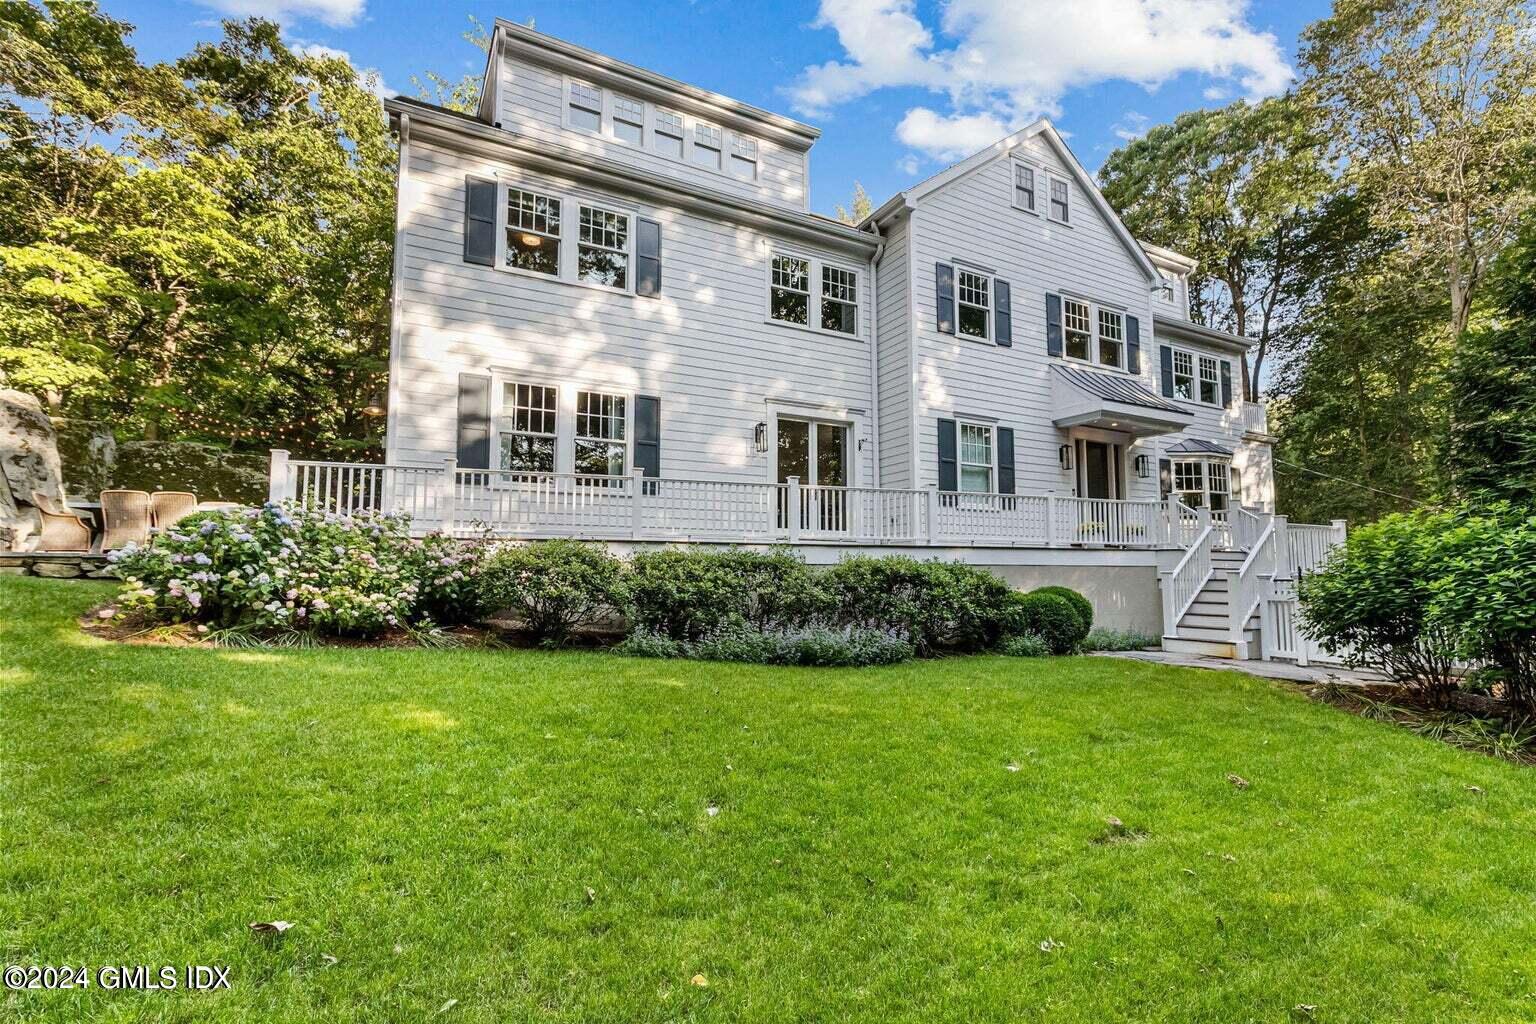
(789, 297)
(1183, 375)
(974, 292)
(744, 157)
(1205, 483)
(528, 428)
(533, 232)
(1166, 289)
(669, 134)
(975, 458)
(600, 434)
(1024, 187)
(1077, 326)
(602, 251)
(1218, 480)
(706, 145)
(1210, 381)
(1189, 482)
(586, 109)
(628, 120)
(1060, 200)
(1111, 338)
(839, 300)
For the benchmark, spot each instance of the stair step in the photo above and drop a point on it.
(1206, 620)
(1181, 645)
(1211, 633)
(1208, 608)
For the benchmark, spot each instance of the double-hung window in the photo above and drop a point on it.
(744, 157)
(668, 134)
(601, 448)
(602, 250)
(1189, 482)
(586, 107)
(1060, 201)
(528, 428)
(1218, 481)
(1183, 375)
(1077, 327)
(975, 458)
(533, 232)
(974, 294)
(839, 300)
(706, 145)
(628, 120)
(1111, 338)
(789, 297)
(1024, 187)
(1210, 381)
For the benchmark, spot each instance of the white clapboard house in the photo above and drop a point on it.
(616, 318)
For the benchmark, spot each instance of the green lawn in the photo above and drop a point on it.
(434, 822)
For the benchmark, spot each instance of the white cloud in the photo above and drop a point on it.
(1215, 93)
(908, 164)
(1011, 61)
(949, 138)
(338, 13)
(369, 78)
(1131, 126)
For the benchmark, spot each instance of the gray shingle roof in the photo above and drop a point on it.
(1194, 444)
(1117, 387)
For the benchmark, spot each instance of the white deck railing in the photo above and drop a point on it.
(1183, 583)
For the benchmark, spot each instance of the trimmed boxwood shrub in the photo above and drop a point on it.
(553, 587)
(1052, 618)
(935, 606)
(1081, 604)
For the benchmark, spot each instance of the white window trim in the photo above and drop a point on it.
(1207, 462)
(991, 339)
(570, 236)
(1093, 333)
(1013, 185)
(813, 311)
(1051, 178)
(960, 463)
(1195, 355)
(629, 428)
(502, 415)
(566, 390)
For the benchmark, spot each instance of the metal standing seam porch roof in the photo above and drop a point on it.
(1112, 401)
(1196, 446)
(1117, 388)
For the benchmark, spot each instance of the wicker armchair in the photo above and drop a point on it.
(62, 529)
(166, 507)
(124, 519)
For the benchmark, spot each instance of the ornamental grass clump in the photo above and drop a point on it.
(278, 567)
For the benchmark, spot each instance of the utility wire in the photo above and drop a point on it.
(1352, 483)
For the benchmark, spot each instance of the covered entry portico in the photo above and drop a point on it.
(1102, 415)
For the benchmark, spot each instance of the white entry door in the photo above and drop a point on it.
(816, 453)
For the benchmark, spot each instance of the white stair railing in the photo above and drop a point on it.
(1183, 583)
(1248, 584)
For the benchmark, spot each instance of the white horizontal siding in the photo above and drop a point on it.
(532, 104)
(894, 366)
(704, 347)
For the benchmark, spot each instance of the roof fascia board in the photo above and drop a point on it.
(429, 123)
(490, 82)
(1188, 331)
(568, 57)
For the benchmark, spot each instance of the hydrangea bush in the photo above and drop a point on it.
(279, 567)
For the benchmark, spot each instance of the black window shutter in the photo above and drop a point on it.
(1165, 477)
(474, 421)
(1003, 316)
(479, 221)
(1133, 344)
(944, 290)
(1004, 460)
(1053, 325)
(647, 257)
(1226, 382)
(949, 457)
(648, 434)
(1165, 356)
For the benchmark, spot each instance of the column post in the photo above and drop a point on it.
(277, 476)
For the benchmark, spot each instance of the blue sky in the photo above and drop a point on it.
(898, 87)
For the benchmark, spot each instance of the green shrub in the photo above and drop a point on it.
(1025, 645)
(1102, 639)
(741, 642)
(1053, 619)
(932, 605)
(1081, 604)
(447, 573)
(684, 594)
(777, 590)
(1370, 602)
(553, 587)
(1484, 597)
(852, 647)
(644, 643)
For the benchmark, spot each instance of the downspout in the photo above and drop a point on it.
(874, 350)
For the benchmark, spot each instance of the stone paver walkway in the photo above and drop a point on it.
(1268, 669)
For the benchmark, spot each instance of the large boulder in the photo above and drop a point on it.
(29, 461)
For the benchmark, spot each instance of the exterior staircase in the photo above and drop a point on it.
(1203, 629)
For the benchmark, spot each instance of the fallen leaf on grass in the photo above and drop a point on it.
(1012, 766)
(1051, 945)
(450, 1004)
(330, 961)
(1305, 1009)
(700, 981)
(1229, 857)
(1237, 780)
(712, 810)
(591, 895)
(1475, 790)
(270, 927)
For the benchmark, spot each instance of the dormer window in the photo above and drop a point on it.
(706, 145)
(628, 120)
(669, 134)
(586, 108)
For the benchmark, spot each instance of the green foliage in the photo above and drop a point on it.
(1053, 619)
(1025, 645)
(447, 573)
(687, 594)
(1484, 595)
(1079, 603)
(553, 587)
(817, 647)
(1104, 639)
(934, 605)
(1370, 602)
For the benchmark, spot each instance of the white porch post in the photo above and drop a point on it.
(446, 495)
(637, 485)
(1340, 529)
(1051, 540)
(277, 476)
(792, 507)
(933, 515)
(1282, 564)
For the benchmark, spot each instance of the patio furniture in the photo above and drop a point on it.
(125, 519)
(62, 530)
(167, 507)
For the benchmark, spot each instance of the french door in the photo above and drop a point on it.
(816, 453)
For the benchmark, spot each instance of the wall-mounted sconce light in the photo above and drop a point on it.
(1144, 467)
(861, 443)
(1064, 454)
(760, 437)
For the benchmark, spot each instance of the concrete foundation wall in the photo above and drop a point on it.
(1123, 596)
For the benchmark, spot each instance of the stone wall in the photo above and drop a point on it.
(56, 566)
